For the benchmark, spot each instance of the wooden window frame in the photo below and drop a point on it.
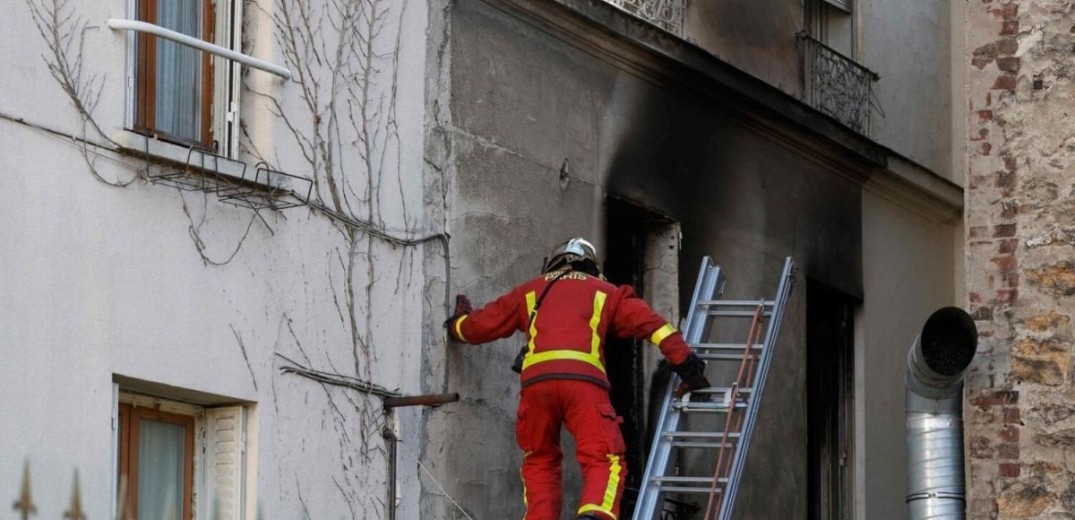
(129, 419)
(146, 78)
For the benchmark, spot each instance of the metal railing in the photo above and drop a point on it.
(837, 85)
(666, 14)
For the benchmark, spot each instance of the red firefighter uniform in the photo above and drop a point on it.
(564, 382)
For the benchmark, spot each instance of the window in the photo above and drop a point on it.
(178, 460)
(831, 23)
(175, 81)
(156, 457)
(177, 93)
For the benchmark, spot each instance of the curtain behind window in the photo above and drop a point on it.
(160, 470)
(179, 71)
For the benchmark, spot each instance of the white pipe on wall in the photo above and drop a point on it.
(178, 37)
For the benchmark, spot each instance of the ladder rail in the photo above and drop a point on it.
(746, 368)
(709, 284)
(771, 336)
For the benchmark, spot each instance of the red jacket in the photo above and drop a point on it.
(567, 337)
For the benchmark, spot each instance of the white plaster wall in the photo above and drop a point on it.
(97, 281)
(907, 274)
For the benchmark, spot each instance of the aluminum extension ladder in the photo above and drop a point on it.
(736, 405)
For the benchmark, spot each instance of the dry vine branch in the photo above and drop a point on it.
(60, 27)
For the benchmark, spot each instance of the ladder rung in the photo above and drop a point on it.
(689, 490)
(723, 357)
(702, 445)
(736, 303)
(721, 390)
(738, 314)
(700, 435)
(676, 439)
(706, 407)
(688, 480)
(726, 346)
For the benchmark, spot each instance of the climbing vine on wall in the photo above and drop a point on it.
(340, 114)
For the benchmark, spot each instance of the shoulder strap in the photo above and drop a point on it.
(544, 292)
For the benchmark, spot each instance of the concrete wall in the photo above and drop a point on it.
(758, 37)
(99, 281)
(536, 133)
(907, 274)
(907, 43)
(1020, 278)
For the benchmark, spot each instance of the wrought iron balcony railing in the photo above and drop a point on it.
(838, 86)
(666, 14)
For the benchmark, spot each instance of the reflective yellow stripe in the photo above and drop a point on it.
(660, 334)
(531, 298)
(555, 355)
(593, 357)
(610, 490)
(595, 321)
(594, 507)
(523, 478)
(458, 329)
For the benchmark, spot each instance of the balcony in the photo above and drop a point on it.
(837, 85)
(666, 14)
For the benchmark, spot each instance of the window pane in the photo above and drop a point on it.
(179, 70)
(160, 470)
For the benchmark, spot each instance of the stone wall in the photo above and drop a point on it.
(1020, 251)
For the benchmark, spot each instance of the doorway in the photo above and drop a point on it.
(642, 250)
(830, 401)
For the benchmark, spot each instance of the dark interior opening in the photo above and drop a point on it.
(830, 402)
(628, 227)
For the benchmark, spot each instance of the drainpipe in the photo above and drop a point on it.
(935, 365)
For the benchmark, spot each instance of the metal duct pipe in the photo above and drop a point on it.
(935, 365)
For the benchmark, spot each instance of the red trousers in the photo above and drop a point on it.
(585, 409)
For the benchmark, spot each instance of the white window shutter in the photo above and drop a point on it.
(225, 462)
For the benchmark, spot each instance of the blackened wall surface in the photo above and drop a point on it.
(543, 133)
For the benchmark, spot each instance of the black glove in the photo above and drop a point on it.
(692, 372)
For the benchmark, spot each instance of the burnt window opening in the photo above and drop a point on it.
(641, 251)
(830, 401)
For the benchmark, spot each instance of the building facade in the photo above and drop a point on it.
(665, 143)
(230, 262)
(168, 328)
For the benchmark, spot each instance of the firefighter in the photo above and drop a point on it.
(566, 312)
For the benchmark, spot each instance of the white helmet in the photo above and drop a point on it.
(575, 251)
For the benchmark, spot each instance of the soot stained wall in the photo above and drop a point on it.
(543, 133)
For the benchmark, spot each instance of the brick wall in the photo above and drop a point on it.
(1020, 414)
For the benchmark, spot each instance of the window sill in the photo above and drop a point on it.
(159, 151)
(234, 181)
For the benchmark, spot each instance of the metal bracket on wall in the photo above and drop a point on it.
(228, 179)
(202, 171)
(269, 189)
